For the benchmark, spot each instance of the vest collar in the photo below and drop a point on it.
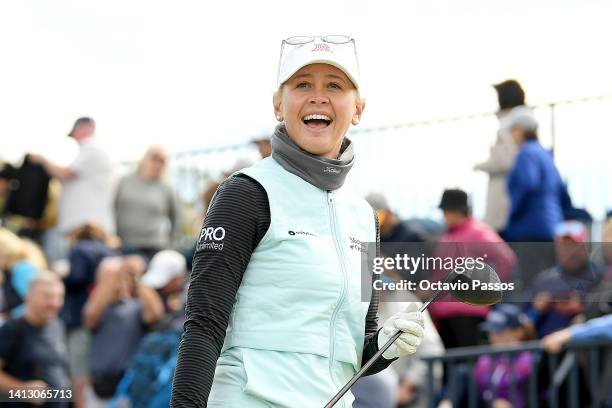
(324, 173)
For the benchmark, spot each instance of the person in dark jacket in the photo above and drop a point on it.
(33, 355)
(534, 184)
(537, 199)
(557, 293)
(89, 246)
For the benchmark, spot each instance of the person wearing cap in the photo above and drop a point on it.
(511, 97)
(274, 310)
(166, 274)
(88, 182)
(506, 325)
(538, 199)
(557, 294)
(466, 236)
(536, 190)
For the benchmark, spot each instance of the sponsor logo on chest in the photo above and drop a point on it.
(357, 245)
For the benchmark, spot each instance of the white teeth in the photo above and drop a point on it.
(317, 116)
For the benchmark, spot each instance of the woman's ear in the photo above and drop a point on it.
(359, 107)
(276, 102)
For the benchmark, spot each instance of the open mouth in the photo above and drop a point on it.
(317, 121)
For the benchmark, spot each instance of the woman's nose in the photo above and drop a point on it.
(318, 98)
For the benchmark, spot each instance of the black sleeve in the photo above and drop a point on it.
(370, 345)
(237, 220)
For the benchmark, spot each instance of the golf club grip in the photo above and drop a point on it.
(374, 358)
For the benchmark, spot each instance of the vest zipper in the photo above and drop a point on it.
(338, 246)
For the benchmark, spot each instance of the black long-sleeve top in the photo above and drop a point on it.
(241, 207)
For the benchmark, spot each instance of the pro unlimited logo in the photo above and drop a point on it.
(211, 238)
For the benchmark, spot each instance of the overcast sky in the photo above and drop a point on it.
(192, 74)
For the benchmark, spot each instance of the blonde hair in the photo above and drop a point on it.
(11, 248)
(33, 254)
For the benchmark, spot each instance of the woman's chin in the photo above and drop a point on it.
(316, 145)
(318, 142)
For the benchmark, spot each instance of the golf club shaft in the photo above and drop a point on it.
(376, 356)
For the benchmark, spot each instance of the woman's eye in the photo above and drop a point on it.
(302, 85)
(334, 85)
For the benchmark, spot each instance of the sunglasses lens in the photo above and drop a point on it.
(298, 40)
(336, 39)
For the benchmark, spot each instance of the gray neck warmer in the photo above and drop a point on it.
(321, 172)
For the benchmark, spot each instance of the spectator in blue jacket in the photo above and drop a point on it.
(536, 190)
(599, 329)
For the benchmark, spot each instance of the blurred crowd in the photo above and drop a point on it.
(93, 273)
(90, 265)
(535, 238)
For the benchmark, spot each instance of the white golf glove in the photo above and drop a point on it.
(410, 322)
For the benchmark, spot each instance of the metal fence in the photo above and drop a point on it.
(411, 163)
(564, 373)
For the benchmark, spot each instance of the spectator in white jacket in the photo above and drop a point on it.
(502, 154)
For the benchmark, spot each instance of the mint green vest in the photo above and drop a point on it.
(301, 291)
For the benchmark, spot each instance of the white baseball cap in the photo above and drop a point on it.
(164, 266)
(336, 50)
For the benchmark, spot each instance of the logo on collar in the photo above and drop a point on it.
(331, 170)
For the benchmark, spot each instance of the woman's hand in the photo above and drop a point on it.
(410, 322)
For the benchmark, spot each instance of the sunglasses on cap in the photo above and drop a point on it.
(305, 39)
(300, 40)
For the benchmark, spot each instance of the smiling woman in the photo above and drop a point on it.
(275, 318)
(318, 104)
